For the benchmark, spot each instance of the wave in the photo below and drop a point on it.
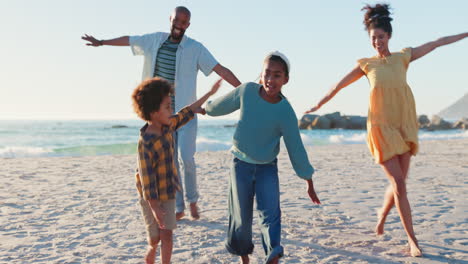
(20, 152)
(111, 149)
(205, 144)
(348, 139)
(209, 144)
(450, 134)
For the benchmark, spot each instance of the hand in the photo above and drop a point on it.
(200, 110)
(92, 41)
(311, 192)
(216, 86)
(313, 109)
(158, 213)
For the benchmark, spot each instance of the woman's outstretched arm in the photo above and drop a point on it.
(424, 49)
(351, 77)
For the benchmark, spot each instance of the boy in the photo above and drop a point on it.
(157, 179)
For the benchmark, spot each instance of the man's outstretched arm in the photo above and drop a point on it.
(227, 75)
(92, 41)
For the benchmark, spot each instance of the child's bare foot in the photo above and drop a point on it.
(415, 251)
(179, 215)
(194, 211)
(150, 255)
(379, 228)
(274, 260)
(245, 259)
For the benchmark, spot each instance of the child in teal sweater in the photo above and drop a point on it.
(265, 117)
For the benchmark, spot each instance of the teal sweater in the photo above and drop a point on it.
(260, 127)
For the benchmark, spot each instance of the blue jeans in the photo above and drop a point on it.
(248, 180)
(185, 149)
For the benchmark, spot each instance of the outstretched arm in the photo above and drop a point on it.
(196, 106)
(351, 77)
(184, 116)
(92, 41)
(227, 75)
(424, 49)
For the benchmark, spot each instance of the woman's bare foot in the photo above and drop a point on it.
(245, 259)
(415, 251)
(379, 228)
(150, 255)
(194, 211)
(179, 215)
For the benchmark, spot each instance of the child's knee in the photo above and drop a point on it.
(166, 235)
(153, 242)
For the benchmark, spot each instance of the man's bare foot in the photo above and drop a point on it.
(274, 260)
(415, 251)
(194, 211)
(150, 255)
(379, 228)
(179, 215)
(245, 259)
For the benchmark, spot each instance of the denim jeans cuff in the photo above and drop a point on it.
(277, 251)
(245, 251)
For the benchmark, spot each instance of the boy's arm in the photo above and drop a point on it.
(92, 41)
(187, 113)
(181, 118)
(196, 106)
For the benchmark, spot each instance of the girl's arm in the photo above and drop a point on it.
(424, 49)
(351, 77)
(226, 104)
(297, 153)
(311, 191)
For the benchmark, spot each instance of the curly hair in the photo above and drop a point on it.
(148, 95)
(378, 16)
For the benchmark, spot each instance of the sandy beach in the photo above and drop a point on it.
(84, 209)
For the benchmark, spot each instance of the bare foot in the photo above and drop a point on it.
(274, 260)
(194, 211)
(179, 215)
(415, 251)
(245, 259)
(379, 228)
(150, 255)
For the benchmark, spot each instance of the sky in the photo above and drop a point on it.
(47, 71)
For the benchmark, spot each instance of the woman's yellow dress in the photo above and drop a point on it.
(392, 126)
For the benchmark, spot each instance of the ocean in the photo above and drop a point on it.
(54, 138)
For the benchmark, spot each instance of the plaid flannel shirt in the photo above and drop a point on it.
(156, 176)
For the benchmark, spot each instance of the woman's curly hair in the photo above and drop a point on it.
(378, 16)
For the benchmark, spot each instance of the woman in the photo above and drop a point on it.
(392, 122)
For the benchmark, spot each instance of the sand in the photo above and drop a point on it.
(84, 210)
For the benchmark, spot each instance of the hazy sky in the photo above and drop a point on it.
(46, 71)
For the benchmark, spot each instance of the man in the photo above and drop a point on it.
(176, 58)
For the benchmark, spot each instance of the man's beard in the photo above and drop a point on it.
(176, 36)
